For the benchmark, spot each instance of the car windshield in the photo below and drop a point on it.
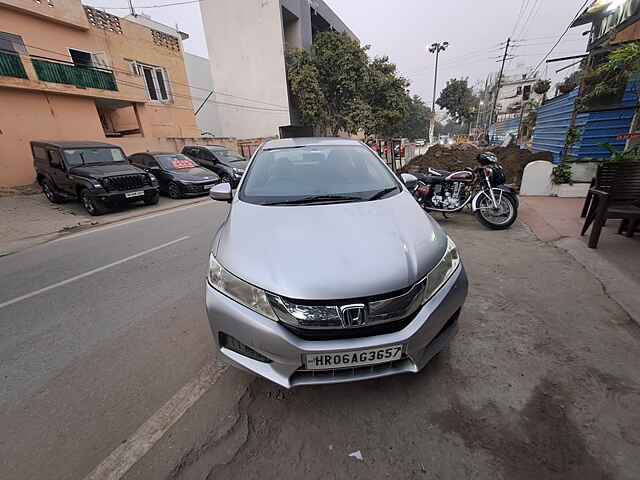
(231, 157)
(175, 162)
(88, 156)
(317, 174)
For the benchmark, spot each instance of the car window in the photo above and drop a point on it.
(136, 160)
(150, 161)
(87, 156)
(292, 174)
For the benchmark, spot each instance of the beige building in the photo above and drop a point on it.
(70, 72)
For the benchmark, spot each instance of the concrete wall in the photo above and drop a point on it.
(68, 12)
(246, 51)
(201, 81)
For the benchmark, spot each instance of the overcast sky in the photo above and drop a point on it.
(402, 29)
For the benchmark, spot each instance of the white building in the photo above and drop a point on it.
(516, 92)
(247, 42)
(201, 85)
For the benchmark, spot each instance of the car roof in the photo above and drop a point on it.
(74, 144)
(155, 153)
(308, 142)
(217, 147)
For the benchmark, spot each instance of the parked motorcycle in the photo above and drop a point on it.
(483, 188)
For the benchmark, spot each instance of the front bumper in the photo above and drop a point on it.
(111, 198)
(195, 189)
(426, 335)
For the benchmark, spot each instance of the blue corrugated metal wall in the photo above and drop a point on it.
(597, 128)
(553, 123)
(506, 127)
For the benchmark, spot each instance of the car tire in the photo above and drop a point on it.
(92, 206)
(50, 192)
(174, 191)
(153, 200)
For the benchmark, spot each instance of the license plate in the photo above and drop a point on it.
(358, 358)
(133, 194)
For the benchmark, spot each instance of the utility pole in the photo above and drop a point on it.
(133, 11)
(495, 100)
(435, 48)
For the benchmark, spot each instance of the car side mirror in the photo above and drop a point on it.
(221, 192)
(408, 178)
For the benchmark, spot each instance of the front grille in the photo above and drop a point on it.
(335, 319)
(356, 332)
(309, 377)
(195, 187)
(126, 182)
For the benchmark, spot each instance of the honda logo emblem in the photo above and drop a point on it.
(353, 315)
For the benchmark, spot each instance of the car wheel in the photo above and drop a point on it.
(50, 192)
(174, 190)
(91, 205)
(152, 200)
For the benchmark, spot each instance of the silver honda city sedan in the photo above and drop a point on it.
(326, 269)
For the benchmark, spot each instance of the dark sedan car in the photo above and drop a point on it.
(227, 164)
(177, 175)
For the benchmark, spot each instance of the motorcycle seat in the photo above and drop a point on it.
(437, 172)
(430, 179)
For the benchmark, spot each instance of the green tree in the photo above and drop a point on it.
(307, 97)
(388, 99)
(459, 100)
(416, 123)
(335, 87)
(334, 75)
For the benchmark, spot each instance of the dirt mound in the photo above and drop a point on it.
(458, 157)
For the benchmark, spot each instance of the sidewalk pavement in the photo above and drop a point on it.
(29, 220)
(616, 261)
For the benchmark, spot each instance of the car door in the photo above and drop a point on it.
(152, 166)
(59, 175)
(207, 159)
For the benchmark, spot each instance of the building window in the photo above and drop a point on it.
(156, 82)
(80, 58)
(527, 92)
(519, 91)
(11, 43)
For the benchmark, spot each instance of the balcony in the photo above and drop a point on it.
(11, 66)
(70, 74)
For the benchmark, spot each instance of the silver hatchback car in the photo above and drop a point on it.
(326, 269)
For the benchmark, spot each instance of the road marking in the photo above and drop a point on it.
(120, 461)
(90, 272)
(127, 222)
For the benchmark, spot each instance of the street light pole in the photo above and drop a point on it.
(435, 48)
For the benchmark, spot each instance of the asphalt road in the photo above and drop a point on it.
(104, 328)
(97, 331)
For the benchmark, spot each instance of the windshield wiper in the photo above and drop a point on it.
(381, 193)
(318, 199)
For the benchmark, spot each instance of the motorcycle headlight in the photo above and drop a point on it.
(441, 273)
(239, 290)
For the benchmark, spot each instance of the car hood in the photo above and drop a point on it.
(336, 251)
(197, 174)
(105, 170)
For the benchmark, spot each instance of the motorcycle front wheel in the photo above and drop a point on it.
(498, 218)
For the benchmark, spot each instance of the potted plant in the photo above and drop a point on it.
(542, 86)
(569, 83)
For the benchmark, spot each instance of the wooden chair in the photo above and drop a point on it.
(605, 177)
(620, 201)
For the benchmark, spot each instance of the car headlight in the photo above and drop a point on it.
(237, 172)
(239, 290)
(441, 273)
(152, 177)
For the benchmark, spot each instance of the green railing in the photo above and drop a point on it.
(69, 74)
(11, 66)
